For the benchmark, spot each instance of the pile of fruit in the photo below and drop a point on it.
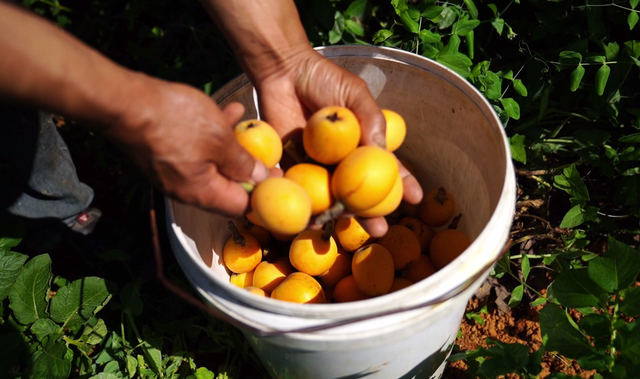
(295, 246)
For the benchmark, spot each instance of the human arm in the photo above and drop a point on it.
(293, 80)
(175, 133)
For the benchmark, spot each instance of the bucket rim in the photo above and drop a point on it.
(444, 280)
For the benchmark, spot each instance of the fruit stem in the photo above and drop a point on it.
(455, 221)
(441, 196)
(247, 223)
(330, 213)
(333, 117)
(237, 237)
(328, 230)
(247, 186)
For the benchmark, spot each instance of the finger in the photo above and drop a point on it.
(233, 112)
(233, 160)
(411, 189)
(371, 119)
(222, 195)
(276, 172)
(376, 226)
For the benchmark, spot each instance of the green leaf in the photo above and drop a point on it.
(452, 46)
(516, 296)
(95, 334)
(630, 138)
(630, 344)
(463, 27)
(428, 36)
(448, 17)
(409, 23)
(569, 59)
(400, 6)
(44, 327)
(632, 20)
(204, 373)
(633, 3)
(538, 301)
(10, 265)
(503, 358)
(611, 51)
(633, 48)
(598, 326)
(526, 267)
(574, 288)
(381, 35)
(511, 107)
(471, 7)
(518, 151)
(602, 76)
(576, 77)
(578, 215)
(130, 298)
(335, 34)
(53, 361)
(432, 12)
(355, 9)
(498, 25)
(132, 366)
(76, 303)
(520, 88)
(571, 182)
(12, 233)
(492, 85)
(105, 375)
(630, 305)
(28, 296)
(617, 268)
(561, 335)
(354, 28)
(458, 62)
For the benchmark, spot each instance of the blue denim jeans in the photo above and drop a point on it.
(38, 179)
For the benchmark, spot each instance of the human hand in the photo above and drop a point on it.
(289, 94)
(185, 143)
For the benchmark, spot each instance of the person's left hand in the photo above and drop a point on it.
(308, 82)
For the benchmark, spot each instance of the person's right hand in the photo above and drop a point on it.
(185, 144)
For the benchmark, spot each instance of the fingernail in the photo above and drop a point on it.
(260, 172)
(380, 140)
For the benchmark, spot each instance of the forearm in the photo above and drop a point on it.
(43, 66)
(264, 34)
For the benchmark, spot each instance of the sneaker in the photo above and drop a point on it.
(85, 222)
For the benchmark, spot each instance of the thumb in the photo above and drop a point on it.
(234, 161)
(371, 119)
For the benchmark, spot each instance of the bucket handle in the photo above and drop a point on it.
(273, 332)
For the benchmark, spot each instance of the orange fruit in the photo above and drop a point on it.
(347, 290)
(364, 178)
(281, 205)
(313, 252)
(315, 180)
(389, 204)
(400, 283)
(421, 269)
(437, 208)
(299, 287)
(330, 134)
(351, 234)
(446, 246)
(421, 230)
(340, 268)
(241, 252)
(268, 275)
(402, 244)
(260, 233)
(373, 269)
(261, 140)
(256, 291)
(396, 129)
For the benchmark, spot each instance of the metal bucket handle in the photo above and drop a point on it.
(273, 332)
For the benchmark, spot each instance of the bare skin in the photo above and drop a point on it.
(153, 120)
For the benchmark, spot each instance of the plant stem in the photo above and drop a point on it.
(141, 343)
(531, 256)
(328, 230)
(237, 237)
(614, 333)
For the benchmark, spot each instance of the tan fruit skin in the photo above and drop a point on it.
(396, 129)
(340, 269)
(389, 204)
(328, 141)
(364, 178)
(402, 244)
(419, 270)
(241, 259)
(260, 140)
(424, 233)
(281, 205)
(311, 254)
(268, 276)
(446, 246)
(351, 234)
(372, 268)
(299, 287)
(433, 213)
(242, 280)
(315, 180)
(347, 290)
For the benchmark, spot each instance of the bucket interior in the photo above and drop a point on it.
(454, 140)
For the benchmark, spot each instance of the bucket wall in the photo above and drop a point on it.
(454, 140)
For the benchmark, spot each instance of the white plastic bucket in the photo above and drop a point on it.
(454, 140)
